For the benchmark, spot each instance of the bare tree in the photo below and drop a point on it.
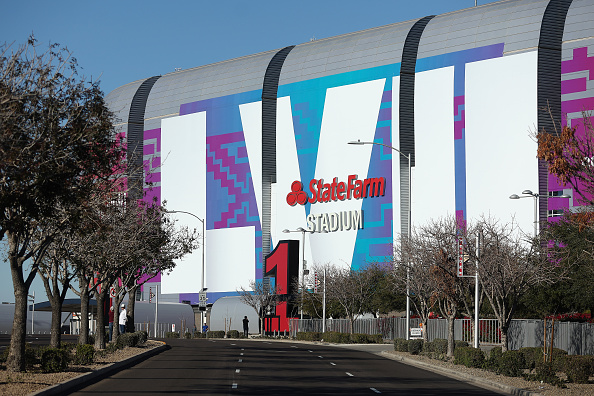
(351, 289)
(259, 296)
(56, 140)
(509, 266)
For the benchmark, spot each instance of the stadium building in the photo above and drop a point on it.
(259, 144)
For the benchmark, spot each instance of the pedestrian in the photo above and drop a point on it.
(123, 320)
(204, 328)
(246, 322)
(110, 322)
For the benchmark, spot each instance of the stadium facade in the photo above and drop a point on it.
(258, 144)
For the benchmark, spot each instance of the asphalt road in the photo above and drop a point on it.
(235, 367)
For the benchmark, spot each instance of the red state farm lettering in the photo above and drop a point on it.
(337, 190)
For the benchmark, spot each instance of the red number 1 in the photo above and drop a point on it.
(283, 265)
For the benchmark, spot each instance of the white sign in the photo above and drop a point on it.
(416, 332)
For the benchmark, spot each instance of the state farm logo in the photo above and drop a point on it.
(297, 195)
(336, 191)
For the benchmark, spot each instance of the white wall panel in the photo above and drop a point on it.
(183, 181)
(350, 113)
(433, 181)
(397, 219)
(230, 257)
(501, 110)
(251, 119)
(287, 171)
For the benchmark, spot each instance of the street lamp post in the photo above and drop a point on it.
(536, 196)
(202, 289)
(302, 231)
(408, 157)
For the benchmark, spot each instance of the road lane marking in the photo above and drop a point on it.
(241, 354)
(242, 349)
(321, 357)
(375, 390)
(293, 346)
(309, 350)
(233, 344)
(240, 360)
(237, 370)
(334, 364)
(349, 374)
(234, 386)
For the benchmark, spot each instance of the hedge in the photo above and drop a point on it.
(469, 357)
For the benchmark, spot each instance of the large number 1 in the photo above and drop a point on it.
(282, 264)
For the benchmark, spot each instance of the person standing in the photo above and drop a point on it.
(122, 320)
(246, 322)
(110, 322)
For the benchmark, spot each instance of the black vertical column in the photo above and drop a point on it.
(135, 138)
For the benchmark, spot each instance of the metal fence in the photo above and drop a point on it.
(162, 328)
(575, 338)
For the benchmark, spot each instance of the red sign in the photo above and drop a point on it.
(460, 257)
(337, 190)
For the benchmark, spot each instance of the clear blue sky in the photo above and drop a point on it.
(123, 41)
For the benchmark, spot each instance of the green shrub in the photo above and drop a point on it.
(69, 346)
(415, 346)
(337, 338)
(439, 346)
(512, 364)
(85, 354)
(198, 335)
(469, 357)
(579, 368)
(493, 360)
(32, 355)
(400, 345)
(309, 336)
(460, 344)
(54, 360)
(127, 340)
(359, 338)
(172, 334)
(532, 355)
(111, 347)
(188, 335)
(546, 372)
(233, 334)
(216, 334)
(142, 337)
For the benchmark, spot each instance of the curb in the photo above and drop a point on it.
(96, 375)
(481, 382)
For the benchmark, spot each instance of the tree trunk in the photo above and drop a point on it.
(83, 336)
(16, 354)
(100, 334)
(425, 335)
(451, 343)
(504, 330)
(130, 311)
(56, 326)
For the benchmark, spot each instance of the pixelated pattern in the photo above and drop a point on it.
(374, 242)
(575, 74)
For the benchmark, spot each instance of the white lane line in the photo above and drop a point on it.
(242, 349)
(241, 354)
(234, 386)
(321, 357)
(237, 370)
(293, 346)
(349, 374)
(375, 390)
(233, 344)
(240, 360)
(309, 350)
(334, 364)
